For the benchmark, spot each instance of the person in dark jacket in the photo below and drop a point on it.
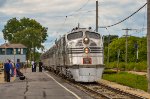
(17, 69)
(35, 66)
(7, 71)
(32, 66)
(40, 66)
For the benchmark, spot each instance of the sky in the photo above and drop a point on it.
(60, 16)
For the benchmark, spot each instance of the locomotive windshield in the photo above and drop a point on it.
(75, 35)
(92, 35)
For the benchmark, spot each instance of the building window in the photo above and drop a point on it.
(3, 51)
(19, 51)
(14, 51)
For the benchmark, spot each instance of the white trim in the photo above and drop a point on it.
(63, 86)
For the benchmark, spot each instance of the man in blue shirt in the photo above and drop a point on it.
(17, 69)
(7, 71)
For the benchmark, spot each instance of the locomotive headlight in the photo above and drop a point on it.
(86, 40)
(86, 50)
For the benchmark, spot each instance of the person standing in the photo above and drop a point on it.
(32, 63)
(17, 68)
(35, 66)
(40, 66)
(12, 68)
(7, 71)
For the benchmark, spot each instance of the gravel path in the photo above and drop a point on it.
(126, 88)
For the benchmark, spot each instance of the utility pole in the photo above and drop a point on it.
(126, 45)
(118, 60)
(108, 49)
(148, 43)
(136, 48)
(96, 16)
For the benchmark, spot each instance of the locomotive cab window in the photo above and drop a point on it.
(75, 35)
(92, 35)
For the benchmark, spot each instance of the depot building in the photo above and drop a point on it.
(14, 52)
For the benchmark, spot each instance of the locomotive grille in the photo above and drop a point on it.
(81, 50)
(75, 50)
(96, 50)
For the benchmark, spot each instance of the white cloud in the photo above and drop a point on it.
(52, 14)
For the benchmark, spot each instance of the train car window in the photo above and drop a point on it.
(92, 35)
(75, 35)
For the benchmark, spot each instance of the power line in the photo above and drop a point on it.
(82, 6)
(81, 12)
(139, 31)
(64, 22)
(144, 18)
(125, 18)
(76, 10)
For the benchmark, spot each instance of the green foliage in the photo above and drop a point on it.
(108, 39)
(128, 79)
(25, 31)
(12, 26)
(108, 71)
(142, 49)
(37, 56)
(140, 66)
(111, 65)
(119, 44)
(25, 28)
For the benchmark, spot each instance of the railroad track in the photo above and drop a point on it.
(103, 91)
(100, 90)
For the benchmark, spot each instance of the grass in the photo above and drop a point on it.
(140, 66)
(128, 79)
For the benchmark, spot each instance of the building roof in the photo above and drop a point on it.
(8, 45)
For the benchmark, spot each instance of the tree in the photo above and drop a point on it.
(25, 31)
(142, 46)
(120, 44)
(107, 40)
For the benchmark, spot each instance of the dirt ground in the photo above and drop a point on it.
(126, 88)
(2, 77)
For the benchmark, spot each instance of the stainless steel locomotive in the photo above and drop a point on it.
(77, 55)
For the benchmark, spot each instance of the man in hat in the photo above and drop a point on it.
(7, 70)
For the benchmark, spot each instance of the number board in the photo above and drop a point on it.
(87, 61)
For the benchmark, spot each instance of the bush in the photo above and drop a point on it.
(111, 65)
(122, 66)
(131, 66)
(107, 71)
(140, 66)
